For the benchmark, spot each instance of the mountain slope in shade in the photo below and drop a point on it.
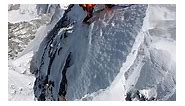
(125, 54)
(76, 59)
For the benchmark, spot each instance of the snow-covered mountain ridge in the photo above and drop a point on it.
(128, 54)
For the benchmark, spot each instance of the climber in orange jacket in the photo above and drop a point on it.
(89, 9)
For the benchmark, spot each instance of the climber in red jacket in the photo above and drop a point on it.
(89, 9)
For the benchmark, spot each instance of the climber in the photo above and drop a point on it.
(89, 9)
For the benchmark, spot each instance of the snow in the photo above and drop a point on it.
(163, 12)
(20, 87)
(158, 14)
(100, 44)
(161, 49)
(41, 33)
(169, 46)
(149, 92)
(20, 81)
(22, 64)
(116, 90)
(26, 12)
(64, 6)
(34, 44)
(91, 41)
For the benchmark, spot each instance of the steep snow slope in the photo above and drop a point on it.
(20, 80)
(57, 13)
(24, 20)
(153, 73)
(117, 88)
(76, 59)
(117, 57)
